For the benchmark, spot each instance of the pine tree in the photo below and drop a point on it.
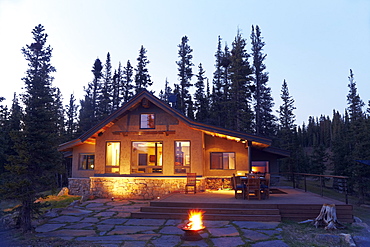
(166, 94)
(142, 77)
(104, 105)
(71, 122)
(264, 119)
(34, 167)
(116, 88)
(318, 158)
(286, 115)
(4, 134)
(217, 91)
(358, 140)
(95, 88)
(287, 138)
(88, 115)
(241, 114)
(185, 74)
(355, 103)
(201, 104)
(127, 82)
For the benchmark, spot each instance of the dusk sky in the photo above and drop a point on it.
(311, 44)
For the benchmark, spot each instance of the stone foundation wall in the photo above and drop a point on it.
(129, 187)
(218, 183)
(79, 186)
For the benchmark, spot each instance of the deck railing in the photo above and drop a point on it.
(339, 182)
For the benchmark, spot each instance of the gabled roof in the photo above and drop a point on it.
(90, 135)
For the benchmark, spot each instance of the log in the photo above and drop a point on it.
(328, 218)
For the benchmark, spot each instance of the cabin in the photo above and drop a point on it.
(145, 149)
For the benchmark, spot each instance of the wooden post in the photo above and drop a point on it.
(305, 183)
(249, 144)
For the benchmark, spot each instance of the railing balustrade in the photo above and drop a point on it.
(340, 182)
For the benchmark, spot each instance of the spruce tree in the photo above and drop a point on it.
(116, 88)
(318, 159)
(264, 119)
(287, 130)
(71, 121)
(240, 109)
(358, 140)
(127, 82)
(4, 134)
(104, 105)
(217, 90)
(33, 169)
(354, 101)
(185, 74)
(88, 115)
(142, 77)
(166, 93)
(200, 100)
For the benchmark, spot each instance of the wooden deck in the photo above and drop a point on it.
(283, 204)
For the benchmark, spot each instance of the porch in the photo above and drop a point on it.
(285, 203)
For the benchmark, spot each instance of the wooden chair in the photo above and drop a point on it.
(265, 186)
(191, 181)
(238, 186)
(253, 187)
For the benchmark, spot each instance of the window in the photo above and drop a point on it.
(86, 162)
(146, 157)
(112, 157)
(223, 161)
(260, 166)
(147, 121)
(182, 156)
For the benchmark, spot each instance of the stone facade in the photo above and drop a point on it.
(218, 183)
(129, 187)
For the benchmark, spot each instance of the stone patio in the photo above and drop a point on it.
(99, 222)
(103, 222)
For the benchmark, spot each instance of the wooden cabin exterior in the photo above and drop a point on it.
(145, 149)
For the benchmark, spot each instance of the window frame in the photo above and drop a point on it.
(233, 166)
(80, 167)
(146, 124)
(183, 167)
(154, 162)
(108, 168)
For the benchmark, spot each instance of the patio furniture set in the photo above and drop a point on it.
(252, 186)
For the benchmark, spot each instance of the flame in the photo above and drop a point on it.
(195, 220)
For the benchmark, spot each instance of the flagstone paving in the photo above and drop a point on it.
(103, 222)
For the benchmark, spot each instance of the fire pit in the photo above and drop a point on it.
(194, 226)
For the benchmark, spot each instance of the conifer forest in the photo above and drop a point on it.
(237, 97)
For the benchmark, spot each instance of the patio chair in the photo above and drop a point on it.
(191, 181)
(238, 186)
(253, 186)
(265, 186)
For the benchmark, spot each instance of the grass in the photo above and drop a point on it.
(302, 235)
(50, 201)
(360, 211)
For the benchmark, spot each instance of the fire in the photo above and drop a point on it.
(195, 220)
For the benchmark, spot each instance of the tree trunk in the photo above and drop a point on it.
(26, 215)
(328, 217)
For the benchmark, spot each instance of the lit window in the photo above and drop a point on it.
(86, 162)
(223, 161)
(112, 157)
(260, 166)
(147, 121)
(146, 157)
(182, 156)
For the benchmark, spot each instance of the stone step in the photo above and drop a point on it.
(184, 216)
(236, 211)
